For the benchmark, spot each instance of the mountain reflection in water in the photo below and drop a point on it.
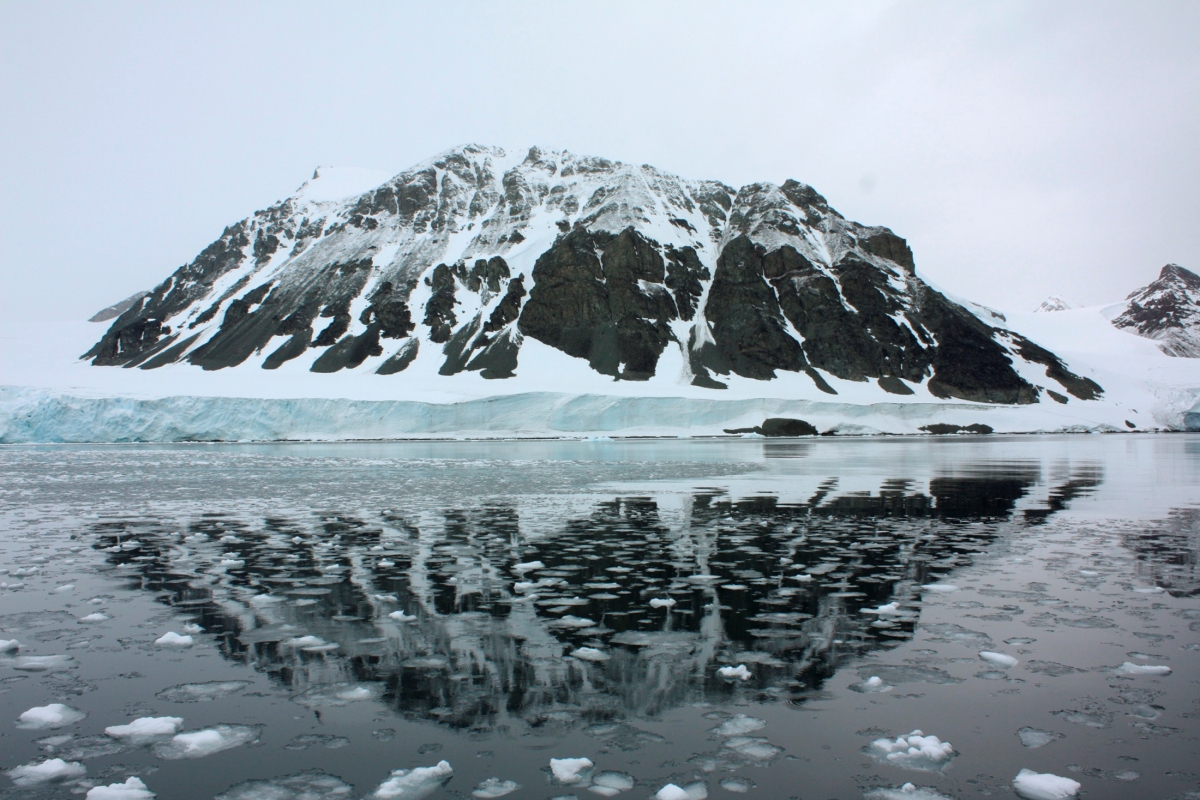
(787, 589)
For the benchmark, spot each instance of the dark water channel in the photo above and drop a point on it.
(733, 617)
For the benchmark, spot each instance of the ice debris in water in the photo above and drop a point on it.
(312, 785)
(400, 615)
(739, 726)
(494, 787)
(570, 770)
(591, 654)
(1129, 668)
(132, 789)
(998, 659)
(413, 784)
(1033, 737)
(611, 783)
(737, 785)
(193, 628)
(303, 642)
(693, 791)
(94, 617)
(889, 608)
(55, 715)
(173, 639)
(914, 751)
(1044, 786)
(43, 663)
(50, 770)
(872, 684)
(528, 566)
(201, 692)
(206, 742)
(9, 645)
(739, 671)
(146, 727)
(754, 748)
(944, 588)
(662, 602)
(906, 792)
(336, 694)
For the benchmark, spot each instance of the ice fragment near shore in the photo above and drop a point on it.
(146, 727)
(914, 751)
(206, 742)
(889, 608)
(1001, 660)
(871, 685)
(1032, 737)
(173, 639)
(55, 715)
(402, 617)
(494, 787)
(413, 784)
(9, 645)
(739, 726)
(739, 672)
(49, 771)
(611, 783)
(132, 789)
(93, 618)
(570, 770)
(1129, 668)
(662, 602)
(1044, 786)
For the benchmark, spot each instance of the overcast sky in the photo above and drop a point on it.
(1023, 149)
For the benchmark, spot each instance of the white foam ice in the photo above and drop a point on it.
(173, 639)
(413, 784)
(132, 789)
(662, 602)
(52, 770)
(206, 742)
(914, 751)
(494, 787)
(1129, 668)
(146, 727)
(1001, 660)
(731, 673)
(55, 715)
(739, 725)
(906, 792)
(570, 770)
(591, 654)
(1044, 786)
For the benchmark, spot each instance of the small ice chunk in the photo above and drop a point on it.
(9, 645)
(1001, 660)
(309, 785)
(48, 771)
(260, 600)
(753, 747)
(402, 617)
(94, 617)
(737, 785)
(739, 726)
(570, 770)
(671, 792)
(50, 717)
(70, 587)
(173, 639)
(527, 566)
(192, 628)
(906, 792)
(889, 608)
(145, 727)
(914, 751)
(413, 784)
(206, 742)
(201, 692)
(44, 663)
(591, 654)
(1129, 668)
(132, 789)
(871, 685)
(233, 563)
(494, 787)
(611, 783)
(1089, 573)
(944, 588)
(662, 602)
(1044, 786)
(303, 641)
(1033, 737)
(730, 673)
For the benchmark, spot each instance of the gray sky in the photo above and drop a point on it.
(1023, 149)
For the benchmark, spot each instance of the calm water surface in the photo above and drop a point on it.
(735, 617)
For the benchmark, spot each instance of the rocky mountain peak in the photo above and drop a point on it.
(1052, 303)
(1168, 311)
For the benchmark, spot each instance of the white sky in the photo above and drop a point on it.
(1023, 149)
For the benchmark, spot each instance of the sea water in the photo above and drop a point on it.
(883, 617)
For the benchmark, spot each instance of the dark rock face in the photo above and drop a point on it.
(1168, 310)
(780, 426)
(942, 428)
(750, 283)
(116, 309)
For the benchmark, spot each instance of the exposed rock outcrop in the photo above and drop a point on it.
(1168, 311)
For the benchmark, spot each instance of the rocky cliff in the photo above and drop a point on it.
(1167, 310)
(465, 259)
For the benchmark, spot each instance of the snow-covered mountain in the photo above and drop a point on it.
(1052, 303)
(1168, 311)
(478, 262)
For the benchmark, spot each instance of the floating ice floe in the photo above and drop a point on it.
(914, 751)
(906, 792)
(591, 654)
(1001, 660)
(146, 727)
(1033, 737)
(261, 600)
(944, 588)
(570, 770)
(206, 742)
(611, 783)
(50, 717)
(737, 785)
(873, 684)
(889, 608)
(693, 791)
(192, 628)
(337, 694)
(132, 789)
(173, 639)
(311, 785)
(739, 672)
(401, 616)
(494, 787)
(413, 784)
(528, 566)
(94, 617)
(51, 770)
(1129, 668)
(43, 663)
(201, 692)
(739, 725)
(571, 621)
(1044, 786)
(752, 748)
(70, 587)
(662, 602)
(9, 645)
(232, 563)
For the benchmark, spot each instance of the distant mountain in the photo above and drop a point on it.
(117, 309)
(1053, 304)
(1168, 311)
(457, 264)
